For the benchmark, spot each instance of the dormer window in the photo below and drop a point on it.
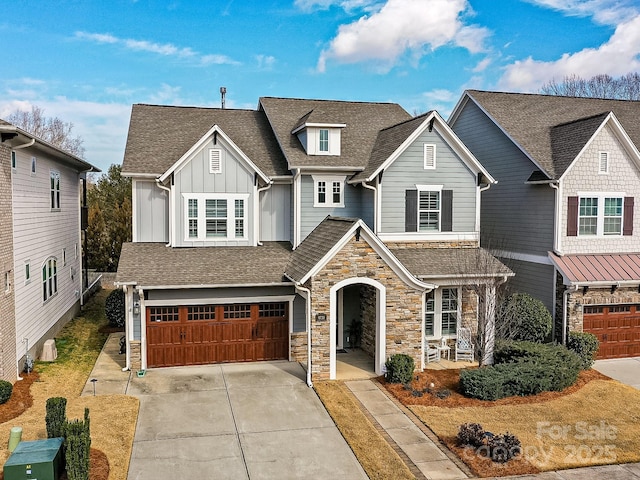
(323, 138)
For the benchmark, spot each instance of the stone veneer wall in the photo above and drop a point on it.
(403, 304)
(136, 355)
(8, 361)
(596, 296)
(298, 347)
(368, 296)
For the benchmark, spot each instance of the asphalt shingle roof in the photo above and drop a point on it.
(316, 245)
(542, 124)
(363, 122)
(155, 265)
(160, 135)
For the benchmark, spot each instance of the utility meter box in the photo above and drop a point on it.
(36, 460)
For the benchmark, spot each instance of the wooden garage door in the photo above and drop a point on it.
(202, 334)
(617, 328)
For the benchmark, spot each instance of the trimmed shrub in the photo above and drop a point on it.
(532, 321)
(471, 434)
(503, 448)
(522, 369)
(585, 345)
(56, 416)
(114, 308)
(399, 368)
(77, 447)
(6, 388)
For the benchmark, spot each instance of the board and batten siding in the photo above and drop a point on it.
(151, 215)
(311, 216)
(194, 177)
(38, 234)
(408, 170)
(583, 177)
(515, 216)
(275, 214)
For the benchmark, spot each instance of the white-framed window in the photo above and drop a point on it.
(429, 208)
(442, 312)
(7, 282)
(603, 162)
(49, 278)
(14, 161)
(600, 214)
(215, 160)
(323, 140)
(55, 190)
(27, 271)
(429, 156)
(210, 217)
(34, 161)
(328, 191)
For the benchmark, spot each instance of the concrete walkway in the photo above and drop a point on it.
(625, 370)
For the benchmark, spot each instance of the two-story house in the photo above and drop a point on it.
(563, 213)
(261, 234)
(40, 243)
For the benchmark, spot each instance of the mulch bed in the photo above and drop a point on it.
(446, 382)
(443, 391)
(21, 400)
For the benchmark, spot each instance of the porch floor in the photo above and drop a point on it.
(444, 364)
(354, 365)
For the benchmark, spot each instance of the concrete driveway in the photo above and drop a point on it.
(235, 421)
(625, 370)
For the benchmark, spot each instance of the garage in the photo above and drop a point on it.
(204, 334)
(617, 328)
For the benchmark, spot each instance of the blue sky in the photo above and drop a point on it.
(87, 61)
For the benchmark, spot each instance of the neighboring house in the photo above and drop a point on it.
(563, 213)
(40, 243)
(261, 234)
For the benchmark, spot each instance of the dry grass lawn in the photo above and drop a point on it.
(113, 417)
(376, 456)
(595, 423)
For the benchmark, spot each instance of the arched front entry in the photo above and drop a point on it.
(381, 302)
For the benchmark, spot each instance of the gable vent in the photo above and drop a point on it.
(215, 160)
(429, 156)
(603, 162)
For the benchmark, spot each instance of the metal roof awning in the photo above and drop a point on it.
(598, 270)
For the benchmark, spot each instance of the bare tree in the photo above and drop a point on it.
(626, 87)
(51, 129)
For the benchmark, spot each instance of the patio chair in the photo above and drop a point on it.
(433, 352)
(464, 346)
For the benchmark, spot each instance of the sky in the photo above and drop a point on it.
(88, 61)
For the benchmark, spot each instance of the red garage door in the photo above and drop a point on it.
(202, 334)
(617, 328)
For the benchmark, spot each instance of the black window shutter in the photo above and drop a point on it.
(572, 216)
(411, 211)
(628, 216)
(446, 224)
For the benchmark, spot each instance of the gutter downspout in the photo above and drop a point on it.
(375, 205)
(565, 302)
(308, 308)
(25, 145)
(159, 184)
(127, 365)
(257, 212)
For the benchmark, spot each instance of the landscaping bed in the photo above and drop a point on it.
(594, 422)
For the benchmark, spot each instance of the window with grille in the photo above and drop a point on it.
(429, 211)
(270, 310)
(239, 218)
(201, 312)
(323, 145)
(600, 215)
(164, 314)
(216, 217)
(449, 311)
(442, 312)
(55, 190)
(429, 314)
(192, 218)
(49, 278)
(237, 311)
(329, 191)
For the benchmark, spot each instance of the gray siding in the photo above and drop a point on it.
(533, 278)
(408, 171)
(275, 214)
(194, 177)
(151, 216)
(367, 209)
(514, 216)
(299, 314)
(311, 216)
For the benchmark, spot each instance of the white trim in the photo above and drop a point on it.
(27, 266)
(601, 196)
(134, 206)
(381, 322)
(200, 286)
(170, 302)
(425, 152)
(607, 162)
(297, 198)
(328, 180)
(523, 257)
(215, 164)
(425, 236)
(54, 203)
(230, 199)
(437, 312)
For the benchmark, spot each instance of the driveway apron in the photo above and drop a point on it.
(235, 421)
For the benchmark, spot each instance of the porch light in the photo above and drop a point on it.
(136, 308)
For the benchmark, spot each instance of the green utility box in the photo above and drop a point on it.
(37, 460)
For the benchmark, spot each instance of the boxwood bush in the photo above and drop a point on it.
(532, 320)
(399, 368)
(522, 368)
(585, 345)
(114, 308)
(5, 391)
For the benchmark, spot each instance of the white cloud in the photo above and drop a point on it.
(404, 25)
(606, 12)
(167, 95)
(265, 61)
(619, 55)
(482, 65)
(165, 49)
(348, 5)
